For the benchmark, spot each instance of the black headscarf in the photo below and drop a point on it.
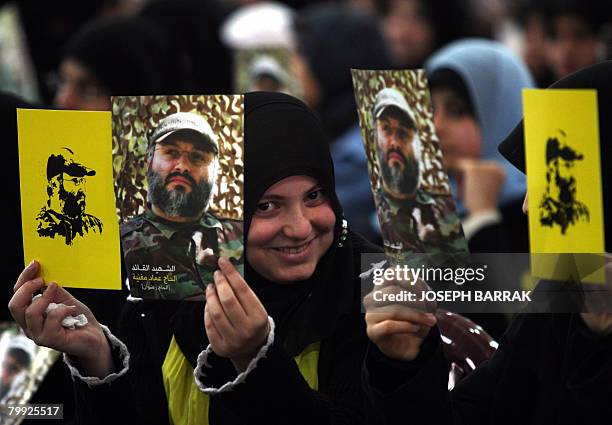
(597, 77)
(192, 26)
(334, 39)
(13, 256)
(129, 56)
(284, 138)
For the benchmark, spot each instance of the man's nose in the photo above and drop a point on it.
(297, 224)
(392, 139)
(182, 164)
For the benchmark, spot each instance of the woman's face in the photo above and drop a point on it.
(410, 34)
(457, 129)
(291, 229)
(79, 89)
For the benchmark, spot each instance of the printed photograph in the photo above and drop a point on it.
(23, 366)
(265, 69)
(179, 174)
(410, 186)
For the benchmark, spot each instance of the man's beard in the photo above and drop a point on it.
(397, 180)
(177, 202)
(567, 189)
(73, 203)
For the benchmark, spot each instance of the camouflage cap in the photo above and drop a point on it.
(184, 121)
(62, 162)
(267, 66)
(393, 98)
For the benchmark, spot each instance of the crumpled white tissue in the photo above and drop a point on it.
(70, 322)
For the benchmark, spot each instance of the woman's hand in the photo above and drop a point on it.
(398, 328)
(480, 183)
(599, 303)
(600, 323)
(88, 343)
(235, 320)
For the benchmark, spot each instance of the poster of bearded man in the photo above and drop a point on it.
(179, 185)
(410, 186)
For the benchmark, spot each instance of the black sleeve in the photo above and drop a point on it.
(99, 404)
(275, 392)
(490, 238)
(589, 376)
(139, 395)
(398, 391)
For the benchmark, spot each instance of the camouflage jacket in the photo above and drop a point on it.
(51, 223)
(167, 260)
(426, 224)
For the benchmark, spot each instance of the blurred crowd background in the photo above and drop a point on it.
(478, 55)
(73, 54)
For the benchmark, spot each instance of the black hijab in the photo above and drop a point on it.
(128, 56)
(284, 138)
(327, 37)
(13, 257)
(597, 77)
(192, 28)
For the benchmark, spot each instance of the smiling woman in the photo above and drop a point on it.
(302, 266)
(282, 345)
(291, 230)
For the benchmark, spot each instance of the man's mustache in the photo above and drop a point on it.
(398, 152)
(183, 175)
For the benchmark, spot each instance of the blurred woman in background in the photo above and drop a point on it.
(476, 89)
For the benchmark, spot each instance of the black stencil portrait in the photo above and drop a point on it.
(64, 214)
(559, 205)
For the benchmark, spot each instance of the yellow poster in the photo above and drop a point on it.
(68, 210)
(563, 177)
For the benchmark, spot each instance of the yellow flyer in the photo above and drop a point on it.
(68, 212)
(563, 178)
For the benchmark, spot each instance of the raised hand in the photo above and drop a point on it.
(599, 303)
(88, 343)
(480, 182)
(235, 320)
(398, 328)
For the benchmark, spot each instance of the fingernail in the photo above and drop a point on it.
(216, 274)
(29, 266)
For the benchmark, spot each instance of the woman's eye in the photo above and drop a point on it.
(456, 109)
(265, 206)
(315, 195)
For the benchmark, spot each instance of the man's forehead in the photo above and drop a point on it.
(68, 176)
(390, 116)
(183, 141)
